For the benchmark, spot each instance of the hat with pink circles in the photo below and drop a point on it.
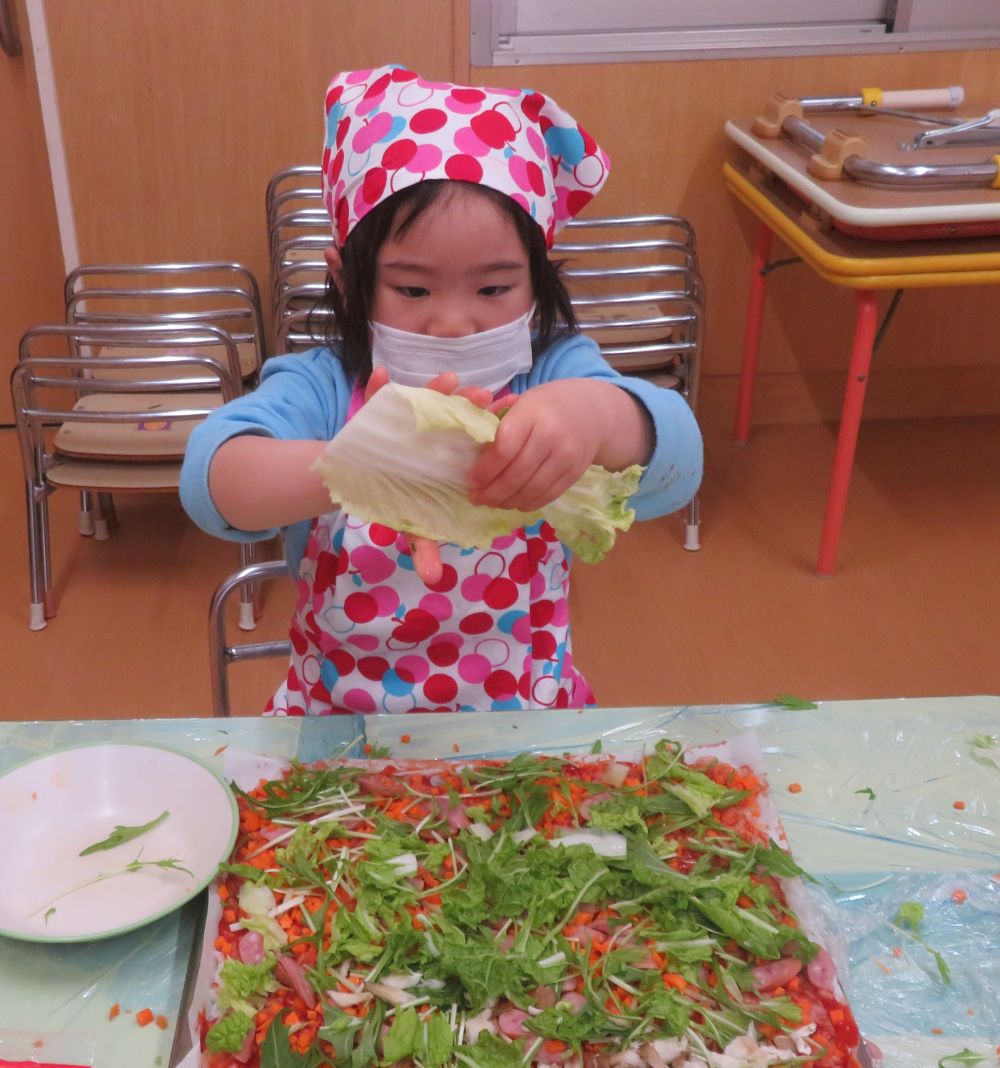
(388, 128)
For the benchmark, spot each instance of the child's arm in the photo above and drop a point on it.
(258, 483)
(552, 434)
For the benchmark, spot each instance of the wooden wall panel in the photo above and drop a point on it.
(30, 255)
(176, 114)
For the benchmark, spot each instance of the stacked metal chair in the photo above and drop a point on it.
(218, 294)
(105, 402)
(637, 291)
(633, 280)
(298, 230)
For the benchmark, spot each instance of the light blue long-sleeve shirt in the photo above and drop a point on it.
(306, 397)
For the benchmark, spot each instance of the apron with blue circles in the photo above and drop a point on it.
(368, 635)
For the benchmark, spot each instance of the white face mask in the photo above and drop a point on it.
(489, 359)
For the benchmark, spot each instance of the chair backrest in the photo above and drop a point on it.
(212, 293)
(221, 652)
(49, 381)
(635, 286)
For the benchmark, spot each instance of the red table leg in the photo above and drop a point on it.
(751, 340)
(847, 437)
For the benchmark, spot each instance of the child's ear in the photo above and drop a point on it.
(335, 265)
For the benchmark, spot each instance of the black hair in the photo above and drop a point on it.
(351, 306)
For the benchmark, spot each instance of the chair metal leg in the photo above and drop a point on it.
(86, 515)
(249, 605)
(109, 511)
(36, 578)
(692, 526)
(42, 606)
(101, 532)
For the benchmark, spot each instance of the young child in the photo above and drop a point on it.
(444, 201)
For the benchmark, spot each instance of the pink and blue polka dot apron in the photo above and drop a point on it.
(368, 635)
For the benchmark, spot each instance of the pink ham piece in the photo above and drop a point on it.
(511, 1023)
(454, 814)
(381, 785)
(247, 1050)
(251, 947)
(775, 973)
(585, 804)
(575, 1000)
(290, 972)
(821, 971)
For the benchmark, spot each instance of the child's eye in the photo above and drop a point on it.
(494, 291)
(411, 291)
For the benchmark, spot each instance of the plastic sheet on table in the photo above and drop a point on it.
(905, 1001)
(907, 842)
(46, 1049)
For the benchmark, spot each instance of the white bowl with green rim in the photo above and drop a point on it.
(69, 876)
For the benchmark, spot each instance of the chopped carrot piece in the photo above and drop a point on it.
(960, 805)
(837, 1016)
(114, 1010)
(405, 739)
(937, 1030)
(554, 1045)
(144, 1017)
(897, 951)
(795, 787)
(454, 749)
(959, 896)
(162, 1023)
(223, 891)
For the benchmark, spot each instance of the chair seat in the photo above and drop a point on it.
(110, 477)
(663, 379)
(593, 317)
(247, 353)
(153, 439)
(640, 363)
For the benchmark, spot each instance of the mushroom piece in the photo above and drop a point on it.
(651, 1057)
(393, 994)
(669, 1049)
(343, 1000)
(483, 1022)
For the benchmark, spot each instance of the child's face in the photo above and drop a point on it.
(459, 269)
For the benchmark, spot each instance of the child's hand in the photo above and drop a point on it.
(426, 554)
(551, 435)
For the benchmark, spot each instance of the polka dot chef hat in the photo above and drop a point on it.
(388, 128)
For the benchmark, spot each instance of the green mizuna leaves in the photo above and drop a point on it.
(122, 834)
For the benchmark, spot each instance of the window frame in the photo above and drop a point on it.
(534, 32)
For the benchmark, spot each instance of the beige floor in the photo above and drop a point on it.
(912, 611)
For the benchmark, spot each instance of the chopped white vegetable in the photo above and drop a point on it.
(603, 843)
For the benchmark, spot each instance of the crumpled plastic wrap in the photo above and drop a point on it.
(908, 843)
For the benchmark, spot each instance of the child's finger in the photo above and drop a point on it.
(501, 404)
(481, 398)
(446, 382)
(426, 560)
